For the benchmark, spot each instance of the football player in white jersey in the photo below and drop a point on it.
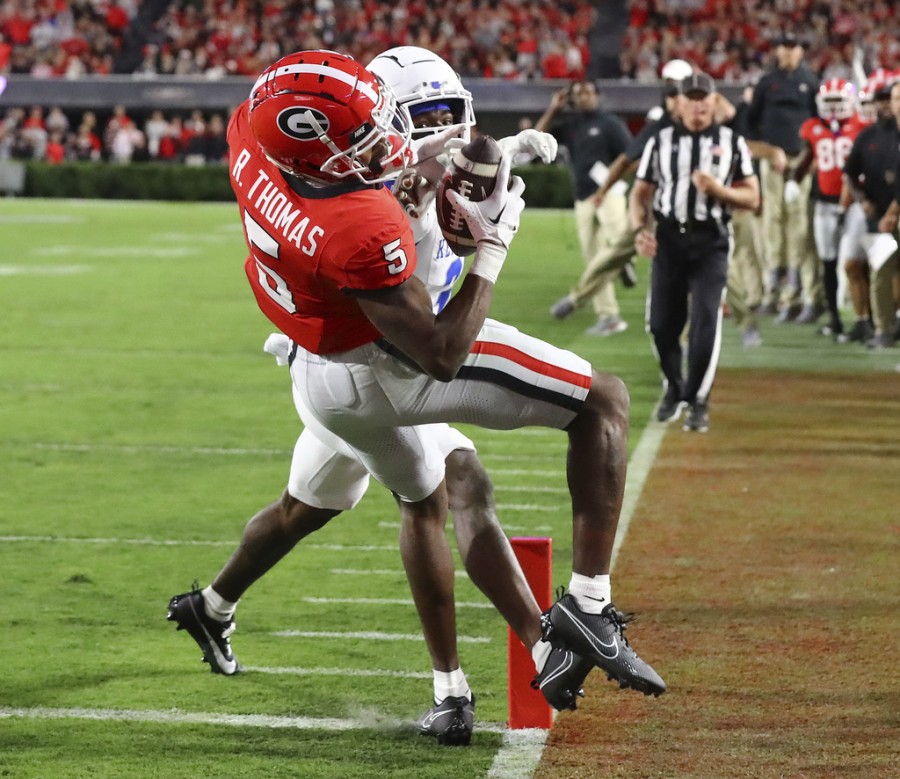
(326, 477)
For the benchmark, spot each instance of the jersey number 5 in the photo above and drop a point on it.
(395, 257)
(264, 245)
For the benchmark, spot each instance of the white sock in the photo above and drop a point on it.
(216, 607)
(591, 593)
(448, 683)
(539, 653)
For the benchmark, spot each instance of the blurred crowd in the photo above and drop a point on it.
(731, 40)
(50, 136)
(509, 39)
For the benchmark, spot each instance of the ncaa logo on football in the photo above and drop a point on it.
(302, 124)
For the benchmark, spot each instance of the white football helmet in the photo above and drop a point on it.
(422, 81)
(867, 110)
(836, 99)
(676, 70)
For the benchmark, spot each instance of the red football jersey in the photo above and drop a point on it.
(309, 246)
(830, 150)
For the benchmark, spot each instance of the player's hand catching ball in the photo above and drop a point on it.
(493, 222)
(432, 152)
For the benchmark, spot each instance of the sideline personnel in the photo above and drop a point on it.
(783, 99)
(595, 138)
(689, 176)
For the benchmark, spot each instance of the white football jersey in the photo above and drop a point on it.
(437, 267)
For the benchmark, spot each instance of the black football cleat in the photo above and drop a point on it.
(561, 678)
(449, 721)
(600, 638)
(697, 420)
(213, 637)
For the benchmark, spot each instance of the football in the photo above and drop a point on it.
(473, 174)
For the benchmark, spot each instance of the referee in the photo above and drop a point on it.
(690, 174)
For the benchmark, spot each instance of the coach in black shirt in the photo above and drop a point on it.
(690, 175)
(783, 99)
(594, 139)
(868, 248)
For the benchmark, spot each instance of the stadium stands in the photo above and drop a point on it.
(518, 41)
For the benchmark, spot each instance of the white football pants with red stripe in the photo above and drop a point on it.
(376, 402)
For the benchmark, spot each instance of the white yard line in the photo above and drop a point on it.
(519, 754)
(372, 672)
(43, 270)
(180, 542)
(207, 718)
(371, 635)
(639, 466)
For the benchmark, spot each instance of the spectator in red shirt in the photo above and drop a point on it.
(116, 18)
(56, 151)
(5, 54)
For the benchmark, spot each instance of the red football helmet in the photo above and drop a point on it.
(877, 87)
(836, 99)
(322, 115)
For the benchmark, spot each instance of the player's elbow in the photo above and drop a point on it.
(442, 369)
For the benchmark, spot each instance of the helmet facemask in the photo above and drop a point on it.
(836, 100)
(387, 137)
(423, 81)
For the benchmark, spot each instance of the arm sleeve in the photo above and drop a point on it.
(744, 167)
(645, 171)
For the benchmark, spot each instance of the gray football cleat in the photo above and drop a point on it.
(600, 638)
(449, 721)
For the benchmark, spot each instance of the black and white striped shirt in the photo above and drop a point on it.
(673, 153)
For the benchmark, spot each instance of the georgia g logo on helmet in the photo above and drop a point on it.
(302, 123)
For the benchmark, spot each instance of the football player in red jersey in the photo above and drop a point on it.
(828, 139)
(331, 265)
(327, 478)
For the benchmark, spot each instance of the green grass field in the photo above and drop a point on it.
(141, 425)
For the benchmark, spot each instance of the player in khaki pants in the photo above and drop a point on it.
(745, 274)
(599, 229)
(595, 138)
(786, 235)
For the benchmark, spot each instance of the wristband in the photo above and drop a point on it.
(489, 258)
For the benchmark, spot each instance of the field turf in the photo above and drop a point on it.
(141, 425)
